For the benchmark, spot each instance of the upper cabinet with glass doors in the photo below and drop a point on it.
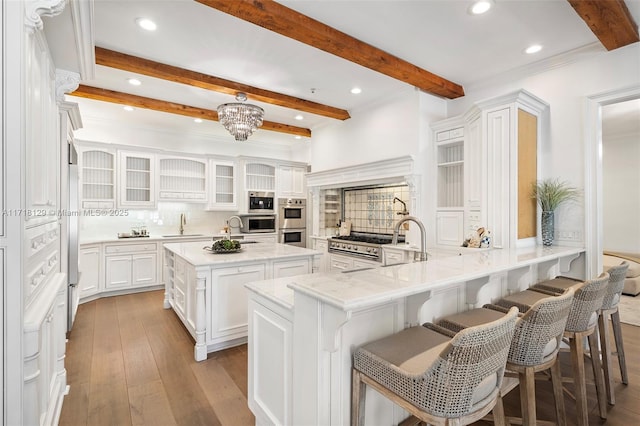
(182, 179)
(137, 180)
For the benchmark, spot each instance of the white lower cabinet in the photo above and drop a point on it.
(271, 238)
(289, 268)
(394, 256)
(338, 262)
(270, 363)
(320, 263)
(449, 228)
(131, 266)
(89, 266)
(229, 296)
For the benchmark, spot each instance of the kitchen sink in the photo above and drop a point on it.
(183, 235)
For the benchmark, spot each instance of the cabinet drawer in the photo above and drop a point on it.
(127, 248)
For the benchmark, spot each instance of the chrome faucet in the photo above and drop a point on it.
(235, 217)
(183, 222)
(422, 256)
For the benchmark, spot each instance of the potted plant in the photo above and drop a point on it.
(550, 193)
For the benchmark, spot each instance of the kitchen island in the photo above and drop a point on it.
(206, 290)
(304, 329)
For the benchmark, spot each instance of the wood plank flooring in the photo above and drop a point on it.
(130, 362)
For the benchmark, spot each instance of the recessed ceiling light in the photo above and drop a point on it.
(534, 48)
(134, 82)
(198, 120)
(356, 90)
(299, 117)
(128, 108)
(298, 137)
(480, 7)
(146, 24)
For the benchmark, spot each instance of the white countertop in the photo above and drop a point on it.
(156, 237)
(354, 290)
(195, 254)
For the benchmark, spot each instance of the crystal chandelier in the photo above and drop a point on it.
(241, 120)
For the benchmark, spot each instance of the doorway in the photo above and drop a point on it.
(594, 193)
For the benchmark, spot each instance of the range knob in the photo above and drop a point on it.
(348, 247)
(368, 249)
(355, 248)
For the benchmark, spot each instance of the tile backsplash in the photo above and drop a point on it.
(373, 209)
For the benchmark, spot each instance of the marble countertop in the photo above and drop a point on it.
(363, 288)
(167, 237)
(196, 255)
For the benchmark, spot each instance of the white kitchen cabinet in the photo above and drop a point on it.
(136, 186)
(269, 393)
(182, 179)
(338, 262)
(130, 266)
(290, 268)
(97, 178)
(230, 298)
(291, 181)
(222, 190)
(271, 238)
(259, 176)
(90, 267)
(449, 228)
(320, 262)
(394, 256)
(42, 150)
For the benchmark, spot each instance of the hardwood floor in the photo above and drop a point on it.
(130, 362)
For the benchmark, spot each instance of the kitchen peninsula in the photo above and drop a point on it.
(206, 290)
(304, 329)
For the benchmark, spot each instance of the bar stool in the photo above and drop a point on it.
(534, 347)
(438, 379)
(582, 322)
(608, 310)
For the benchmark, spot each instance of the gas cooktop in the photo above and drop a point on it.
(369, 238)
(361, 244)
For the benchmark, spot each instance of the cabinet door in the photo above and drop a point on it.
(270, 367)
(270, 239)
(290, 268)
(291, 181)
(320, 262)
(222, 192)
(449, 228)
(361, 263)
(144, 269)
(229, 298)
(340, 263)
(392, 256)
(89, 267)
(117, 272)
(475, 168)
(97, 178)
(137, 180)
(259, 177)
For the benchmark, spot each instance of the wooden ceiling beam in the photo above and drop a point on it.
(112, 96)
(609, 20)
(287, 22)
(122, 61)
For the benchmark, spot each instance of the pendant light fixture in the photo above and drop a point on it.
(240, 119)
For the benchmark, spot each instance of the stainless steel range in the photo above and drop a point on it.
(363, 245)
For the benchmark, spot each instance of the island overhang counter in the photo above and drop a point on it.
(206, 290)
(306, 327)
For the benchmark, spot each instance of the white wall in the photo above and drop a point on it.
(194, 142)
(621, 193)
(391, 128)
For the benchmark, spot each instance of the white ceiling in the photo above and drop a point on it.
(437, 35)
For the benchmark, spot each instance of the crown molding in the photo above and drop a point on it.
(34, 11)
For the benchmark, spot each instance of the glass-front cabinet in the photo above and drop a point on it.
(97, 175)
(222, 193)
(137, 186)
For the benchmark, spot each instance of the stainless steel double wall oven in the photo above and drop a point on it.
(292, 221)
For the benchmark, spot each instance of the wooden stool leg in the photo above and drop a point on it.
(358, 394)
(617, 334)
(605, 349)
(597, 373)
(556, 381)
(577, 364)
(498, 413)
(528, 396)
